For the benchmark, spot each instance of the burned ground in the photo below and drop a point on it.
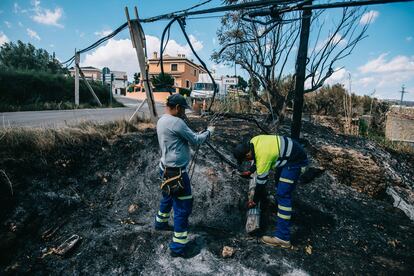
(106, 191)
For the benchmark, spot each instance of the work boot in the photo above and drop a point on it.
(164, 227)
(190, 251)
(275, 241)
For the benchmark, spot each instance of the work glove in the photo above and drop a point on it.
(260, 193)
(246, 174)
(251, 204)
(211, 129)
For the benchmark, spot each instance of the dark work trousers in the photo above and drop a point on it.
(182, 206)
(285, 185)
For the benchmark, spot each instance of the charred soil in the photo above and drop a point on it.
(106, 190)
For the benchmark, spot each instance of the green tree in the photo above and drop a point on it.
(21, 56)
(241, 84)
(254, 85)
(163, 82)
(136, 78)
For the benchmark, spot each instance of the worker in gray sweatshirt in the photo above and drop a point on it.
(174, 137)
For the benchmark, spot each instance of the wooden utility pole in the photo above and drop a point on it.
(300, 73)
(77, 60)
(138, 42)
(88, 85)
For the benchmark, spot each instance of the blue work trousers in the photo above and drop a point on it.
(182, 206)
(285, 185)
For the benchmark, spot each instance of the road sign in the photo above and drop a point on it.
(230, 81)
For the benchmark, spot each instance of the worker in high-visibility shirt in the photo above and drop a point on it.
(274, 152)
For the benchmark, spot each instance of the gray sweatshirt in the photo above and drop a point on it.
(173, 137)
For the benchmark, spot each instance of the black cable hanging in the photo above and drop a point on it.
(182, 26)
(162, 47)
(97, 43)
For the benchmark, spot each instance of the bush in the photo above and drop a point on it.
(21, 89)
(184, 92)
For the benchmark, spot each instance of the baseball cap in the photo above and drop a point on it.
(240, 151)
(177, 99)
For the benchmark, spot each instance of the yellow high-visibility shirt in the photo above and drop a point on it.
(267, 151)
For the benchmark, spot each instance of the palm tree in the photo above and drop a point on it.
(163, 83)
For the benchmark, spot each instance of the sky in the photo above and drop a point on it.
(381, 63)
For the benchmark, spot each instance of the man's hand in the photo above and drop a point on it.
(211, 130)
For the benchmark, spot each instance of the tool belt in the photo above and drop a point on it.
(173, 183)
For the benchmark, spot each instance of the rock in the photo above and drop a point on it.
(228, 252)
(403, 200)
(308, 249)
(353, 168)
(132, 208)
(103, 177)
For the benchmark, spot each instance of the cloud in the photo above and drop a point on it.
(408, 38)
(103, 33)
(197, 45)
(399, 64)
(8, 24)
(32, 34)
(18, 9)
(386, 74)
(46, 16)
(337, 39)
(121, 56)
(369, 17)
(339, 76)
(20, 24)
(3, 38)
(366, 81)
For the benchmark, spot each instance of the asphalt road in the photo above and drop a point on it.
(62, 118)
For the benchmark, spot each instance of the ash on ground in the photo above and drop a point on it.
(107, 191)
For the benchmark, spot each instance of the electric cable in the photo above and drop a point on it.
(182, 26)
(98, 42)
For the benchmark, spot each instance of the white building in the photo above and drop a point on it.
(118, 80)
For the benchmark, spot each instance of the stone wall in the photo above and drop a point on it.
(400, 124)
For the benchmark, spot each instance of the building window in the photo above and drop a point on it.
(195, 72)
(187, 84)
(174, 67)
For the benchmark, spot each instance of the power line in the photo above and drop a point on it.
(97, 43)
(300, 5)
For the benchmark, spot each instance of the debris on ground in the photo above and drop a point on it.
(132, 208)
(345, 211)
(308, 249)
(228, 252)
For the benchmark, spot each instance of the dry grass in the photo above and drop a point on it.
(45, 139)
(232, 105)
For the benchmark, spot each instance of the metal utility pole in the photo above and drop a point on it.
(138, 42)
(402, 94)
(77, 60)
(300, 73)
